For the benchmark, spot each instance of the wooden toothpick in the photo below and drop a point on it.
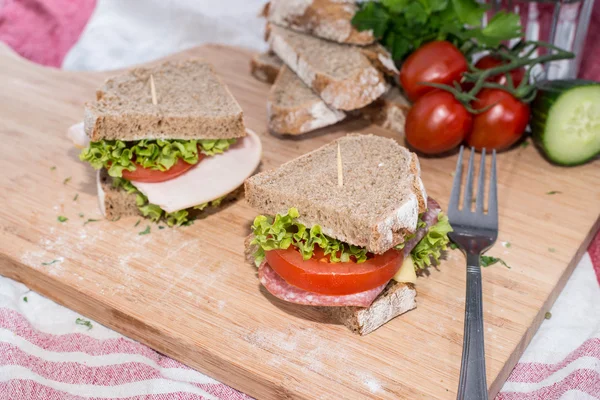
(153, 90)
(340, 169)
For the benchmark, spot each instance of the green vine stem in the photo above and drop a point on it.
(525, 92)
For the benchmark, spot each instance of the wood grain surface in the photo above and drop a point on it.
(189, 294)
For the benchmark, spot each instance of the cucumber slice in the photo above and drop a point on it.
(565, 120)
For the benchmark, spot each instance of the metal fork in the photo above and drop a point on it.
(474, 232)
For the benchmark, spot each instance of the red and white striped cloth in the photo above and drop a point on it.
(45, 355)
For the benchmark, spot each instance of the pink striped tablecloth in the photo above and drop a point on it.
(49, 352)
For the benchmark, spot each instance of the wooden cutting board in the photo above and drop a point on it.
(189, 294)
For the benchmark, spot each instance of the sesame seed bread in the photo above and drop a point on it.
(397, 298)
(293, 108)
(265, 67)
(193, 103)
(328, 19)
(342, 75)
(377, 206)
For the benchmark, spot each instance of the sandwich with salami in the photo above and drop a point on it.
(168, 142)
(346, 228)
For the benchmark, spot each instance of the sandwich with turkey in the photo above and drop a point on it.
(168, 142)
(346, 228)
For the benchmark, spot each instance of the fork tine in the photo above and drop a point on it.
(468, 197)
(480, 185)
(455, 195)
(493, 194)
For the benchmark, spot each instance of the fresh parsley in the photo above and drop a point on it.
(50, 262)
(67, 179)
(137, 223)
(161, 227)
(53, 168)
(145, 231)
(90, 220)
(551, 249)
(487, 261)
(81, 215)
(25, 299)
(548, 315)
(553, 192)
(84, 322)
(76, 197)
(62, 218)
(402, 26)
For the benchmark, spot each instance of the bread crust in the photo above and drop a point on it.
(293, 109)
(328, 19)
(306, 56)
(265, 67)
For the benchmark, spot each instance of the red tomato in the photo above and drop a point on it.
(318, 275)
(500, 126)
(142, 174)
(436, 62)
(490, 61)
(437, 122)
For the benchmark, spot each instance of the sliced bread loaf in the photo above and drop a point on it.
(293, 108)
(265, 67)
(377, 206)
(341, 75)
(328, 19)
(192, 103)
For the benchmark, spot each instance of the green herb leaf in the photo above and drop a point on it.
(506, 244)
(84, 322)
(429, 249)
(25, 299)
(548, 315)
(90, 220)
(50, 262)
(487, 261)
(525, 144)
(160, 155)
(469, 11)
(552, 250)
(553, 192)
(53, 168)
(453, 246)
(66, 180)
(145, 231)
(62, 218)
(76, 197)
(116, 219)
(161, 227)
(503, 26)
(81, 215)
(137, 223)
(415, 12)
(372, 16)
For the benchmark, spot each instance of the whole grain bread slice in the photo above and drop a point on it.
(396, 299)
(115, 202)
(192, 103)
(377, 206)
(293, 108)
(342, 75)
(328, 19)
(265, 66)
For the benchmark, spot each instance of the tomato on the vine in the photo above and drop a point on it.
(490, 61)
(437, 122)
(500, 126)
(434, 62)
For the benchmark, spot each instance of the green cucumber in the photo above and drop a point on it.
(565, 120)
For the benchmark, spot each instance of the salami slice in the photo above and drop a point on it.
(284, 291)
(430, 218)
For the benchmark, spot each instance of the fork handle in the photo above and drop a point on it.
(472, 385)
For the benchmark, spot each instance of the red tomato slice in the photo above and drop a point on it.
(142, 174)
(317, 275)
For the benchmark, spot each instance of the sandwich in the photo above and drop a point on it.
(346, 228)
(168, 142)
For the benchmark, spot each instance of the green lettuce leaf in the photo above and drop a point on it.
(284, 231)
(154, 212)
(160, 155)
(429, 249)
